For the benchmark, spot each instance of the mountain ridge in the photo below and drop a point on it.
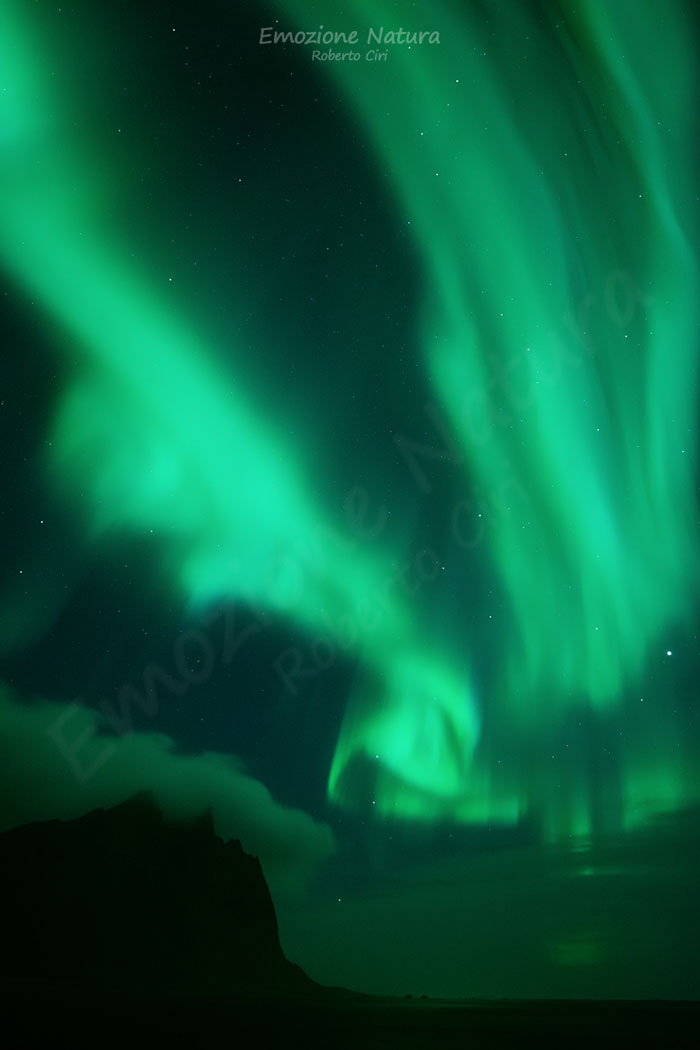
(123, 896)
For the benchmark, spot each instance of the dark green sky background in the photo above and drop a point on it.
(349, 469)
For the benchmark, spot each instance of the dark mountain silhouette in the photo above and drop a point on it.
(124, 927)
(123, 898)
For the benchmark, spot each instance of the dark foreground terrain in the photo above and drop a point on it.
(319, 1018)
(122, 928)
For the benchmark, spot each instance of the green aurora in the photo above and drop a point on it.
(557, 333)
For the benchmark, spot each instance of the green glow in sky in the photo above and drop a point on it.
(559, 326)
(557, 331)
(152, 437)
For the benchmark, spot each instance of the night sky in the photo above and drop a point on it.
(349, 467)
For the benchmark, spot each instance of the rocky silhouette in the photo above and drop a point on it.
(124, 898)
(122, 927)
